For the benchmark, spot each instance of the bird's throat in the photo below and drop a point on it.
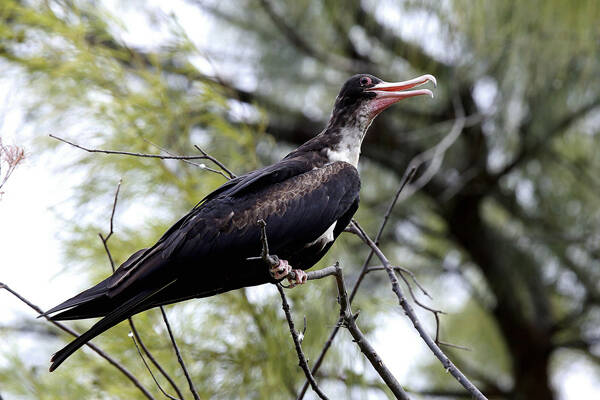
(346, 144)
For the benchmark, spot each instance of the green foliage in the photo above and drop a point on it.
(506, 234)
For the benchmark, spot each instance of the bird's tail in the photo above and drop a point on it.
(91, 303)
(95, 301)
(123, 311)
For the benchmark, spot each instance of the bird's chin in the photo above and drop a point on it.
(385, 99)
(380, 104)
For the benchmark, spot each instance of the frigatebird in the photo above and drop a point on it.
(306, 200)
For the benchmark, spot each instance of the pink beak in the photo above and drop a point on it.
(389, 93)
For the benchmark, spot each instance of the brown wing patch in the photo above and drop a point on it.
(274, 200)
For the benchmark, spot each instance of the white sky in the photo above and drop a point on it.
(30, 249)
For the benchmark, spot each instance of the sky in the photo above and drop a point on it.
(36, 206)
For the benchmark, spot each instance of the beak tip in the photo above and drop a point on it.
(432, 80)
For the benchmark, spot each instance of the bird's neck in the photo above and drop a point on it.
(337, 142)
(344, 144)
(345, 138)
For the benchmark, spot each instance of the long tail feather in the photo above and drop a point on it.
(125, 310)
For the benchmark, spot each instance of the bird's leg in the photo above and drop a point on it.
(281, 270)
(300, 277)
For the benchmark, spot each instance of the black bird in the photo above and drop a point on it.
(306, 200)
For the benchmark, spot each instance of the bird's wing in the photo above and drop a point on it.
(251, 181)
(297, 211)
(149, 259)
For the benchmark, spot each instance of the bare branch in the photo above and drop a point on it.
(321, 273)
(127, 153)
(219, 163)
(136, 336)
(92, 346)
(201, 166)
(154, 361)
(187, 159)
(302, 359)
(148, 368)
(436, 153)
(349, 320)
(273, 261)
(11, 156)
(402, 270)
(112, 217)
(447, 364)
(364, 270)
(288, 31)
(179, 358)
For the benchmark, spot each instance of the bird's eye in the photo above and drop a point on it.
(365, 81)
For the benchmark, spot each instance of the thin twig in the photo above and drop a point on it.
(179, 358)
(219, 163)
(154, 361)
(149, 370)
(92, 346)
(128, 153)
(143, 155)
(349, 321)
(201, 166)
(327, 58)
(272, 261)
(436, 313)
(436, 153)
(137, 337)
(446, 363)
(11, 156)
(403, 270)
(112, 217)
(302, 359)
(407, 177)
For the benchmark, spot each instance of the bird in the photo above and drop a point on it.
(306, 200)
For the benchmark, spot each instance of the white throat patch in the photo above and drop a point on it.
(348, 149)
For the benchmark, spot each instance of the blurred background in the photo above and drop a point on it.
(502, 228)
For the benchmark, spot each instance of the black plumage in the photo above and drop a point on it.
(306, 200)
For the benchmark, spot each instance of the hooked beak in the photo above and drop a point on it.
(389, 93)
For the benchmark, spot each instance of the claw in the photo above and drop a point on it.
(301, 278)
(281, 270)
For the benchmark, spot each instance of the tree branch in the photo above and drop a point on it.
(137, 347)
(528, 151)
(349, 322)
(302, 359)
(298, 41)
(92, 346)
(136, 336)
(143, 155)
(436, 153)
(11, 156)
(364, 270)
(446, 363)
(179, 358)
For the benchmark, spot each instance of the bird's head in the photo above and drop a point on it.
(364, 96)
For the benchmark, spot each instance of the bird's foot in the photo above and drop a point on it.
(281, 270)
(300, 278)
